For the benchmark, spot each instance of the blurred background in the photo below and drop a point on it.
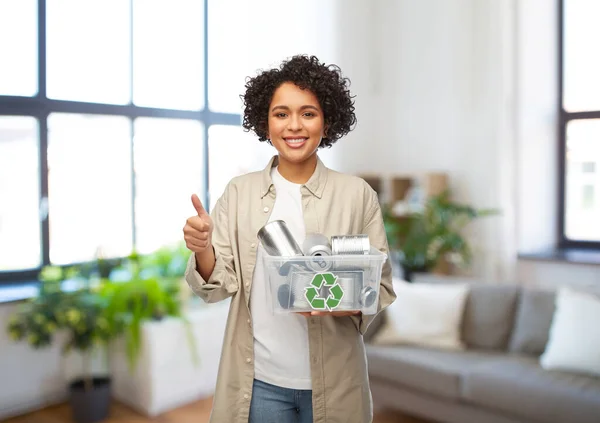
(113, 112)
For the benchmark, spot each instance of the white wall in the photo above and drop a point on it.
(438, 94)
(355, 38)
(537, 124)
(29, 378)
(469, 89)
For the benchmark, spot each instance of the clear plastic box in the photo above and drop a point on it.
(324, 283)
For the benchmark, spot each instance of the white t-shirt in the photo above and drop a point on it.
(281, 355)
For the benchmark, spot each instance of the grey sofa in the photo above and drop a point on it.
(497, 379)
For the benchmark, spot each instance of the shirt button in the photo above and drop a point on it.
(247, 284)
(246, 396)
(253, 245)
(248, 321)
(248, 360)
(266, 209)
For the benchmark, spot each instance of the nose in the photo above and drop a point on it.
(295, 123)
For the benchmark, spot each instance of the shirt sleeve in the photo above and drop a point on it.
(374, 227)
(223, 281)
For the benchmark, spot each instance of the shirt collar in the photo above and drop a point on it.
(316, 183)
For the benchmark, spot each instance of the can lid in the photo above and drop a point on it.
(367, 296)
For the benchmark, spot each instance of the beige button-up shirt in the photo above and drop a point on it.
(333, 204)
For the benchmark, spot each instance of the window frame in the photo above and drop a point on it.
(564, 118)
(40, 107)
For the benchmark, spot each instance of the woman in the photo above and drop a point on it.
(300, 367)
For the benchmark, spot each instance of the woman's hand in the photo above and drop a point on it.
(329, 313)
(198, 229)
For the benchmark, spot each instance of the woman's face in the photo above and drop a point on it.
(296, 123)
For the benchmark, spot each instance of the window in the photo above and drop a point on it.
(18, 47)
(244, 155)
(103, 134)
(579, 124)
(20, 240)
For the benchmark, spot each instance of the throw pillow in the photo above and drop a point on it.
(574, 340)
(425, 314)
(533, 320)
(488, 317)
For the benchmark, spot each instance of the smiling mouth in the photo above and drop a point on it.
(295, 142)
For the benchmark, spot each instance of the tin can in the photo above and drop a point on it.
(299, 282)
(350, 244)
(367, 297)
(285, 296)
(277, 240)
(317, 246)
(351, 283)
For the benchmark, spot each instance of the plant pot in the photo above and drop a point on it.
(409, 272)
(93, 405)
(166, 375)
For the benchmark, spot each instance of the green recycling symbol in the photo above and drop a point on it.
(324, 282)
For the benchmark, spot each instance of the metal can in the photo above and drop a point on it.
(350, 244)
(367, 297)
(285, 296)
(317, 246)
(351, 283)
(299, 282)
(277, 240)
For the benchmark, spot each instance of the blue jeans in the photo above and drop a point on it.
(272, 404)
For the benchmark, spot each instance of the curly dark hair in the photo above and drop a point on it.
(307, 72)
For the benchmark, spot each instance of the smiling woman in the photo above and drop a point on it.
(325, 83)
(299, 107)
(296, 129)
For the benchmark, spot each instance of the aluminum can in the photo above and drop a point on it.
(350, 244)
(316, 246)
(277, 240)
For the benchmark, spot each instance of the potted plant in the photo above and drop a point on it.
(145, 291)
(80, 313)
(426, 238)
(148, 289)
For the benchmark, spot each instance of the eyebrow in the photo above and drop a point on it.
(306, 106)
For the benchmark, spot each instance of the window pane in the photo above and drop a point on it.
(233, 152)
(260, 35)
(20, 241)
(89, 182)
(168, 170)
(581, 64)
(18, 47)
(582, 207)
(88, 50)
(168, 54)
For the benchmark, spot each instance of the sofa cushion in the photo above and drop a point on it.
(423, 314)
(518, 386)
(489, 315)
(532, 321)
(432, 371)
(574, 340)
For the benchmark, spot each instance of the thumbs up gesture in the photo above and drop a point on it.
(198, 229)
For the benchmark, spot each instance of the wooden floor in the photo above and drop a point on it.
(197, 412)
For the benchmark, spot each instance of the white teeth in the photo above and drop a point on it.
(295, 140)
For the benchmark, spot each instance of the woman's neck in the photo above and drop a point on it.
(298, 173)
